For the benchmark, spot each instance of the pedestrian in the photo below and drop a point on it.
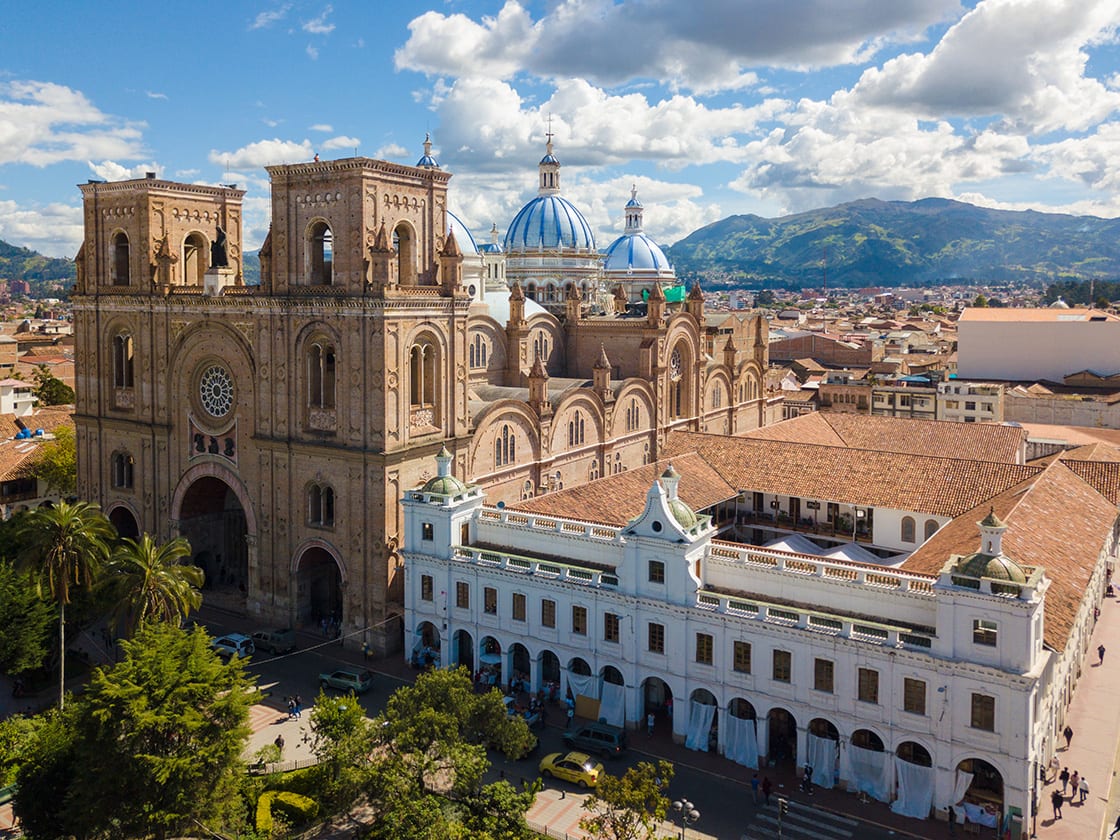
(280, 744)
(649, 723)
(1067, 733)
(298, 706)
(807, 780)
(1100, 653)
(291, 707)
(952, 822)
(1083, 789)
(1115, 828)
(1056, 800)
(767, 786)
(1055, 766)
(754, 789)
(1064, 776)
(1074, 784)
(571, 716)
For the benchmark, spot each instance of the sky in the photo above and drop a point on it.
(709, 107)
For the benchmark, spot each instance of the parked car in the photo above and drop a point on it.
(233, 645)
(575, 767)
(598, 738)
(347, 679)
(275, 641)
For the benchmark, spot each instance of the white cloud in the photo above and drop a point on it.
(154, 95)
(704, 45)
(324, 127)
(312, 52)
(55, 229)
(42, 123)
(263, 153)
(268, 17)
(110, 170)
(319, 25)
(390, 151)
(341, 142)
(271, 123)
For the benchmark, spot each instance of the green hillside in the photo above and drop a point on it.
(48, 276)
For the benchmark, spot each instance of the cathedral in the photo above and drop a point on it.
(277, 426)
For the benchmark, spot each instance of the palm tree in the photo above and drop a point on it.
(151, 583)
(63, 547)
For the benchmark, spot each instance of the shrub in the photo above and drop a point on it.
(298, 808)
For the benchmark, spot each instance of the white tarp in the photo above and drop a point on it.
(961, 785)
(584, 684)
(915, 790)
(870, 772)
(700, 717)
(612, 707)
(854, 552)
(795, 543)
(741, 744)
(822, 755)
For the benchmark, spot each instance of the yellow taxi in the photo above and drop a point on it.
(575, 767)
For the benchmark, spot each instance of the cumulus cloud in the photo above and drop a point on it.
(42, 123)
(324, 127)
(110, 170)
(390, 151)
(1021, 60)
(319, 25)
(704, 45)
(263, 153)
(54, 229)
(341, 142)
(270, 16)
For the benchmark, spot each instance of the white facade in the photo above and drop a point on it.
(946, 667)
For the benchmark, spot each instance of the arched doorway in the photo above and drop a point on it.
(657, 700)
(611, 674)
(782, 738)
(213, 522)
(462, 649)
(580, 667)
(319, 590)
(124, 522)
(822, 752)
(520, 665)
(742, 709)
(425, 646)
(983, 800)
(490, 661)
(703, 721)
(740, 740)
(550, 674)
(865, 739)
(869, 768)
(915, 753)
(914, 777)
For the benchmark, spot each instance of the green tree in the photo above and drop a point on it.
(629, 807)
(156, 743)
(342, 739)
(25, 622)
(18, 734)
(150, 582)
(980, 301)
(58, 462)
(62, 547)
(51, 390)
(45, 773)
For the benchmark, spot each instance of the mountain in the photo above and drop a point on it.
(899, 243)
(48, 276)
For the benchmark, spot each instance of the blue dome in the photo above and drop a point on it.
(549, 221)
(635, 252)
(462, 234)
(427, 161)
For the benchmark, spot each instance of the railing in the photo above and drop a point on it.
(805, 525)
(549, 569)
(806, 565)
(541, 522)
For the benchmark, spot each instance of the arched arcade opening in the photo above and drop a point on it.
(319, 590)
(213, 521)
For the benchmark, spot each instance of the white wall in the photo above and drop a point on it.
(1030, 350)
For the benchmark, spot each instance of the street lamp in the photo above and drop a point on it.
(687, 812)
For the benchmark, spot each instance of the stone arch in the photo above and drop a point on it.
(488, 428)
(740, 707)
(657, 697)
(589, 433)
(427, 382)
(125, 519)
(406, 245)
(781, 737)
(867, 739)
(494, 335)
(611, 674)
(705, 697)
(120, 258)
(320, 577)
(718, 394)
(225, 475)
(987, 783)
(915, 752)
(681, 382)
(636, 395)
(209, 340)
(196, 258)
(462, 649)
(319, 247)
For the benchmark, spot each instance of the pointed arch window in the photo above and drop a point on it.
(320, 505)
(593, 472)
(321, 375)
(633, 416)
(717, 396)
(122, 260)
(505, 447)
(908, 529)
(320, 247)
(541, 347)
(478, 352)
(123, 353)
(575, 430)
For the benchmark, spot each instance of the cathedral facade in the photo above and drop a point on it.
(276, 426)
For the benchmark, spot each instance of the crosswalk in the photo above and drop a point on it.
(800, 822)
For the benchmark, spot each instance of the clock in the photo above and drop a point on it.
(215, 390)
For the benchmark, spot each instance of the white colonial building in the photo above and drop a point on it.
(934, 670)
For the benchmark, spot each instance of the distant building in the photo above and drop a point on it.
(970, 402)
(910, 397)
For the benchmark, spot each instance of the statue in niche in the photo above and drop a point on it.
(219, 250)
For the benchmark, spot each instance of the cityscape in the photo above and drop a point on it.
(552, 489)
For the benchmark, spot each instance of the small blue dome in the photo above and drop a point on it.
(633, 202)
(549, 221)
(550, 158)
(635, 252)
(462, 234)
(428, 161)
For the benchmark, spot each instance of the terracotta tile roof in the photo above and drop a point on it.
(1056, 521)
(616, 499)
(1073, 435)
(1011, 315)
(920, 483)
(1102, 476)
(974, 441)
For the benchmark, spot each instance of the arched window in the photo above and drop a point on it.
(531, 291)
(575, 430)
(422, 360)
(320, 246)
(541, 347)
(527, 490)
(505, 447)
(405, 246)
(931, 528)
(196, 259)
(477, 352)
(122, 361)
(320, 505)
(593, 472)
(633, 416)
(123, 464)
(321, 376)
(645, 454)
(908, 529)
(121, 260)
(617, 463)
(717, 396)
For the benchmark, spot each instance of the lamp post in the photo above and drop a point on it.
(687, 812)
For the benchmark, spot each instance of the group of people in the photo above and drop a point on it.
(765, 786)
(1075, 783)
(295, 707)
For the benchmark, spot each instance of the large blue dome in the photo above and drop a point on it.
(635, 252)
(548, 222)
(462, 235)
